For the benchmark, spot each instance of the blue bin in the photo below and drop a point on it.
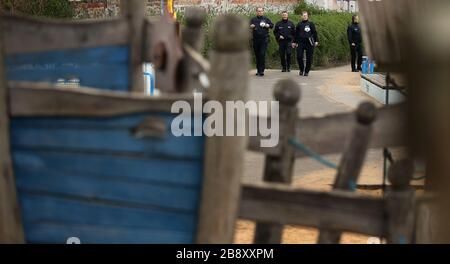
(365, 65)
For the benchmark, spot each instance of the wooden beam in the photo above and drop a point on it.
(224, 155)
(38, 35)
(34, 99)
(336, 210)
(329, 134)
(11, 229)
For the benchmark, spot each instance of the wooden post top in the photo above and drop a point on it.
(195, 16)
(287, 92)
(231, 33)
(366, 113)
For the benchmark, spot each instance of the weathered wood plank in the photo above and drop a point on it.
(352, 161)
(145, 170)
(11, 230)
(109, 136)
(100, 67)
(279, 168)
(168, 197)
(224, 156)
(31, 99)
(329, 134)
(57, 233)
(337, 210)
(72, 213)
(61, 35)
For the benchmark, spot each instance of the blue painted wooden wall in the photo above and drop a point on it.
(90, 178)
(101, 67)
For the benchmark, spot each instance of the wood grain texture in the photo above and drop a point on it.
(77, 174)
(104, 135)
(224, 156)
(134, 13)
(337, 210)
(328, 134)
(352, 161)
(11, 230)
(54, 218)
(193, 39)
(61, 35)
(31, 99)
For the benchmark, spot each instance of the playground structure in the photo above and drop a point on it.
(100, 163)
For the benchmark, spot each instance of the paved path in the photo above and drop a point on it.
(323, 92)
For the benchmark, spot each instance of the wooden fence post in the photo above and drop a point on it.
(279, 168)
(400, 204)
(11, 230)
(224, 155)
(193, 38)
(134, 12)
(352, 161)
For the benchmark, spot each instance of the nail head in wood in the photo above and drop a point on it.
(366, 113)
(287, 92)
(231, 33)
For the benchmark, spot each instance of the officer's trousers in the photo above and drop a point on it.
(260, 47)
(356, 52)
(302, 47)
(285, 51)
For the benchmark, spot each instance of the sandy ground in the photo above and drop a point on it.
(324, 92)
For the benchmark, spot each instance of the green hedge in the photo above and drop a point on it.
(333, 45)
(39, 8)
(332, 30)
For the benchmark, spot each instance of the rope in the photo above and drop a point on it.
(308, 152)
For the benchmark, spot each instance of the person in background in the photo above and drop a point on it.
(306, 39)
(260, 26)
(284, 32)
(355, 41)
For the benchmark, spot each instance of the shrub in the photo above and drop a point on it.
(39, 8)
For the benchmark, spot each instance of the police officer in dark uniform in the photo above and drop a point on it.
(306, 39)
(355, 41)
(260, 26)
(284, 32)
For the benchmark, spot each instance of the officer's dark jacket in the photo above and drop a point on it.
(286, 29)
(260, 33)
(304, 30)
(354, 34)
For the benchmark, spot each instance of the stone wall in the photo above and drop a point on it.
(111, 8)
(240, 6)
